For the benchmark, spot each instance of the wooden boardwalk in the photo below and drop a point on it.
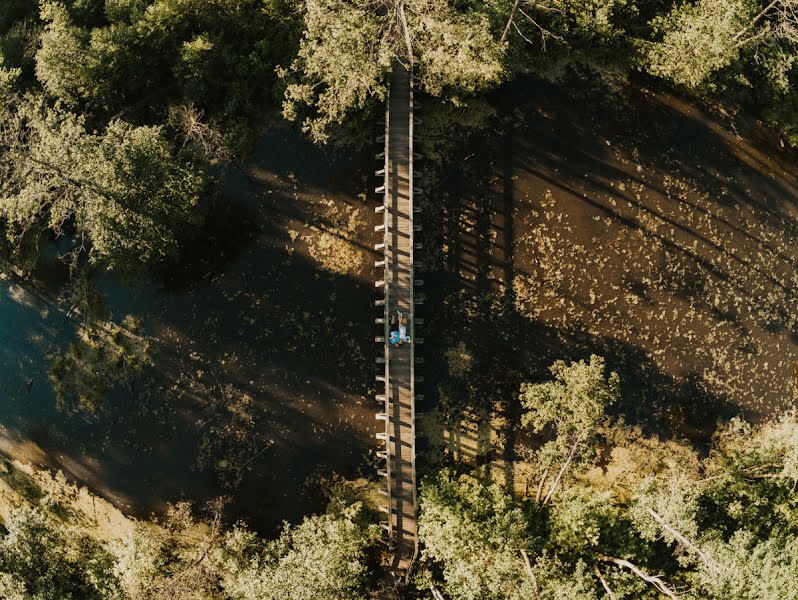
(399, 377)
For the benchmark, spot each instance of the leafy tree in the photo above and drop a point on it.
(348, 47)
(324, 557)
(477, 534)
(19, 34)
(573, 406)
(339, 67)
(559, 581)
(12, 588)
(755, 568)
(41, 560)
(699, 39)
(138, 59)
(487, 546)
(578, 519)
(122, 192)
(171, 560)
(62, 64)
(458, 53)
(736, 525)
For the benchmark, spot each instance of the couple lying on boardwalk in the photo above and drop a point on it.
(398, 329)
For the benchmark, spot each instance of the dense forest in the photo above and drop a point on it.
(115, 112)
(611, 513)
(117, 120)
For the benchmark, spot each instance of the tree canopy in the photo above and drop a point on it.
(123, 193)
(650, 518)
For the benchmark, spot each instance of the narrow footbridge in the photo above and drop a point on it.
(398, 440)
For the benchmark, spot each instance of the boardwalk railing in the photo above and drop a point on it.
(385, 436)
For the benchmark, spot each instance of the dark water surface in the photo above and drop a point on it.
(248, 307)
(635, 226)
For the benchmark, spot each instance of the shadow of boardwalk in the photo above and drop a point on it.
(642, 230)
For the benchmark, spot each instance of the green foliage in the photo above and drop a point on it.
(699, 39)
(755, 568)
(142, 57)
(185, 558)
(340, 65)
(579, 518)
(323, 558)
(42, 560)
(458, 54)
(19, 35)
(347, 50)
(123, 192)
(62, 65)
(476, 532)
(739, 52)
(737, 523)
(12, 588)
(148, 196)
(739, 446)
(573, 405)
(647, 515)
(560, 581)
(172, 559)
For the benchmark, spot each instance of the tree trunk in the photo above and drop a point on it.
(435, 593)
(683, 540)
(755, 20)
(530, 572)
(540, 485)
(655, 581)
(603, 581)
(510, 20)
(406, 27)
(562, 471)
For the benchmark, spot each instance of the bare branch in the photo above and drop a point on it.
(189, 120)
(783, 23)
(655, 581)
(683, 540)
(406, 28)
(543, 478)
(603, 581)
(561, 472)
(530, 572)
(436, 595)
(755, 20)
(510, 21)
(543, 32)
(526, 38)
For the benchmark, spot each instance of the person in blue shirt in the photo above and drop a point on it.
(398, 330)
(394, 337)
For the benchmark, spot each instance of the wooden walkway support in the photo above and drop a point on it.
(399, 436)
